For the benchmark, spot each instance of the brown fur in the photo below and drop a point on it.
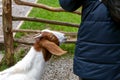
(49, 44)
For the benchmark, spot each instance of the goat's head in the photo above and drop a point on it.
(48, 41)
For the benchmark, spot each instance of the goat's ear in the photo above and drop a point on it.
(53, 48)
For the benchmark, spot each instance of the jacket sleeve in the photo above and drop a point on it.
(70, 5)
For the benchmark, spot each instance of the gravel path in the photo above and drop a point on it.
(17, 10)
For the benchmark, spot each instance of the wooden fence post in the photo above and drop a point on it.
(8, 34)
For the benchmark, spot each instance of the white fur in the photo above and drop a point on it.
(31, 66)
(59, 35)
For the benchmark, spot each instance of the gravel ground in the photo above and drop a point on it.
(59, 68)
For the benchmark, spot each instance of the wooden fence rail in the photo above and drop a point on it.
(69, 34)
(38, 31)
(45, 21)
(49, 8)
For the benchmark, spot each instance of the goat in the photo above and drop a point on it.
(32, 65)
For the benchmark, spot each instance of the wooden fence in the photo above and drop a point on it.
(7, 18)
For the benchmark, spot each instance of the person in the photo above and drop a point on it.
(97, 52)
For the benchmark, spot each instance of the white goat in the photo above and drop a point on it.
(32, 65)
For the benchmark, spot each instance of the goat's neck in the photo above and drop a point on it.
(34, 63)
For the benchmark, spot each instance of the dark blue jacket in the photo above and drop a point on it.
(97, 53)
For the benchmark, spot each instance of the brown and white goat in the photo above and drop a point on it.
(32, 65)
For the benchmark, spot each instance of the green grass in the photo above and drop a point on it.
(17, 56)
(58, 16)
(3, 67)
